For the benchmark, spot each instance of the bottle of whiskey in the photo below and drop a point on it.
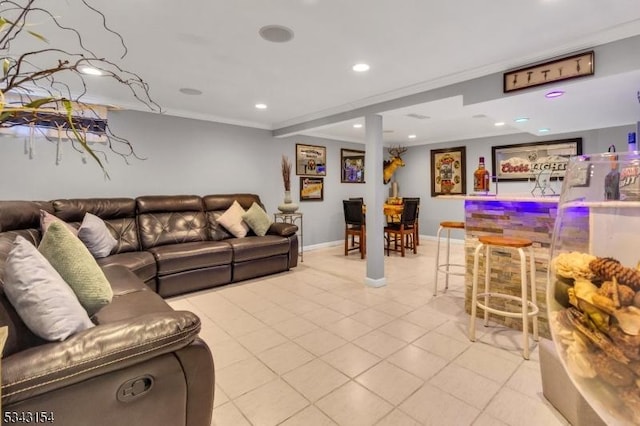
(481, 178)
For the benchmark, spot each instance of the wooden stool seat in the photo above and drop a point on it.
(505, 241)
(452, 224)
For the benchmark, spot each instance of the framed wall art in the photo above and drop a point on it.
(311, 188)
(352, 166)
(526, 161)
(311, 160)
(580, 65)
(448, 171)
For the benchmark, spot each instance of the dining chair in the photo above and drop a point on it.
(354, 225)
(358, 199)
(406, 228)
(417, 217)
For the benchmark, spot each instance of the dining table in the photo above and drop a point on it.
(391, 211)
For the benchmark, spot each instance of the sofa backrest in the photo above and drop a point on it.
(170, 219)
(216, 205)
(119, 214)
(17, 218)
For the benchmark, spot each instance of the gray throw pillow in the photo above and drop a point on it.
(257, 219)
(77, 267)
(93, 232)
(46, 303)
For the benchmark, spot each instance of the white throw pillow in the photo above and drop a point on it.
(44, 301)
(232, 220)
(96, 236)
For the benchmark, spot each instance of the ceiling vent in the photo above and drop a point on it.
(276, 33)
(418, 116)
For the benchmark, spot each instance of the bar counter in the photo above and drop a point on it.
(510, 216)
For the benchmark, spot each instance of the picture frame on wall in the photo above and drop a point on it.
(525, 161)
(311, 160)
(352, 166)
(448, 171)
(311, 188)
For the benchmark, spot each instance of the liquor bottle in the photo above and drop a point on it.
(481, 177)
(612, 179)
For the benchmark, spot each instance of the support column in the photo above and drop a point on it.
(375, 201)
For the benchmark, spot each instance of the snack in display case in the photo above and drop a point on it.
(594, 289)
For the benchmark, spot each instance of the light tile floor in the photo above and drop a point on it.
(315, 346)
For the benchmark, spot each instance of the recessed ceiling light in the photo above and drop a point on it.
(90, 71)
(554, 94)
(357, 126)
(521, 119)
(499, 123)
(276, 33)
(545, 130)
(261, 106)
(412, 136)
(189, 91)
(361, 67)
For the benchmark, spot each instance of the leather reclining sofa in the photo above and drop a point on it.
(143, 362)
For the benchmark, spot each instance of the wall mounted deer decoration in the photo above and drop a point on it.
(390, 166)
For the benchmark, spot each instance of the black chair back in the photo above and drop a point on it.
(353, 212)
(410, 211)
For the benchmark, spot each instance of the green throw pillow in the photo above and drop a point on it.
(257, 219)
(69, 256)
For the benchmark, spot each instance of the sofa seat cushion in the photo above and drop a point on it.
(131, 297)
(250, 248)
(141, 263)
(175, 258)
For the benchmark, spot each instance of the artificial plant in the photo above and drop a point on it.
(49, 81)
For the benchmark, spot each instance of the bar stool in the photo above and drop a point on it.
(481, 300)
(444, 268)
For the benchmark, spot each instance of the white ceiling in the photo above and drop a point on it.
(412, 46)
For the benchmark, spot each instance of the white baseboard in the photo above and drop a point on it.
(323, 245)
(380, 282)
(442, 238)
(340, 242)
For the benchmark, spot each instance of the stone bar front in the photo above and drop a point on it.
(523, 217)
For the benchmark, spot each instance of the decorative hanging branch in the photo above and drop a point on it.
(44, 92)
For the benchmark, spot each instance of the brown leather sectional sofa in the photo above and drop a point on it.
(143, 363)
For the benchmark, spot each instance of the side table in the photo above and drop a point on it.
(292, 218)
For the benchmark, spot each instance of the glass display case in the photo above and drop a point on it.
(594, 282)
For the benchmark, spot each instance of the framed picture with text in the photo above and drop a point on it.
(448, 171)
(526, 161)
(311, 188)
(311, 160)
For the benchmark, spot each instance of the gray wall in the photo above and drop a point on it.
(414, 180)
(183, 157)
(198, 157)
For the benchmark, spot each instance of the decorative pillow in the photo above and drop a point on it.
(232, 220)
(93, 232)
(77, 267)
(47, 219)
(257, 219)
(43, 300)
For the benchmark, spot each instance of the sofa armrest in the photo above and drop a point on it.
(282, 229)
(95, 351)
